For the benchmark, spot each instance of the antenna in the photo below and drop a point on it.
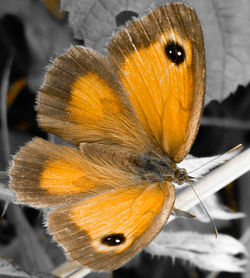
(231, 150)
(203, 206)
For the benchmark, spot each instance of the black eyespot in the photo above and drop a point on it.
(113, 239)
(175, 52)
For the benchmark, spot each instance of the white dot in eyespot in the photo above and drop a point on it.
(178, 53)
(113, 239)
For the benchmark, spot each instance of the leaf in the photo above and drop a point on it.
(204, 251)
(29, 247)
(199, 166)
(8, 268)
(227, 36)
(213, 181)
(215, 210)
(94, 21)
(44, 35)
(7, 194)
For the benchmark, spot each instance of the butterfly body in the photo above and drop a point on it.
(147, 167)
(131, 118)
(157, 169)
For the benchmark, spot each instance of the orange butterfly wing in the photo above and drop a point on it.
(46, 175)
(161, 63)
(131, 217)
(82, 100)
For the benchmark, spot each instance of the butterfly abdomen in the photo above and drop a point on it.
(147, 167)
(112, 154)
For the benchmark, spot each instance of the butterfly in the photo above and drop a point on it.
(131, 118)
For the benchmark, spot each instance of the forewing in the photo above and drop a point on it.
(161, 64)
(82, 100)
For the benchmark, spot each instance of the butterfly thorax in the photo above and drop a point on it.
(154, 168)
(148, 167)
